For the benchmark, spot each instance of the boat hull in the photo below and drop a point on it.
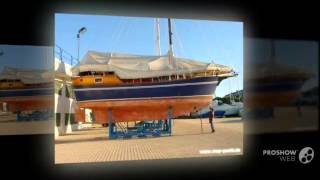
(27, 99)
(274, 93)
(143, 109)
(146, 102)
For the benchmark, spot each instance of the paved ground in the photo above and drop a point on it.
(10, 126)
(286, 119)
(93, 145)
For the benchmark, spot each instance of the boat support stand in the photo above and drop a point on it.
(142, 129)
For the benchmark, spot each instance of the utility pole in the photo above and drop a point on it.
(81, 31)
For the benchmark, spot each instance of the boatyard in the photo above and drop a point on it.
(187, 140)
(129, 104)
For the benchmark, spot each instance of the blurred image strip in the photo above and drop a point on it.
(281, 86)
(26, 90)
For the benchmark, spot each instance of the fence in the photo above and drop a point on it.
(65, 56)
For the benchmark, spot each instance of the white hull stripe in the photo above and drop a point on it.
(143, 87)
(147, 98)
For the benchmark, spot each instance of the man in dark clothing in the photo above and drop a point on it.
(166, 125)
(211, 114)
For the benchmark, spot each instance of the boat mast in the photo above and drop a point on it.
(158, 36)
(170, 53)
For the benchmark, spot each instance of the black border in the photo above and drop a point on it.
(32, 23)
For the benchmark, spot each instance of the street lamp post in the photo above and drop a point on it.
(81, 31)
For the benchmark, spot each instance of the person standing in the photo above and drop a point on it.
(4, 107)
(211, 114)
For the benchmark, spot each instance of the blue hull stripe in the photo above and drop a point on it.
(157, 91)
(26, 92)
(146, 87)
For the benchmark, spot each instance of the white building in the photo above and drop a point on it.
(65, 103)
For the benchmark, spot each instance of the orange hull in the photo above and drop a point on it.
(28, 103)
(143, 109)
(271, 99)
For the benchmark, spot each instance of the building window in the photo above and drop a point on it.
(92, 117)
(72, 119)
(98, 80)
(58, 88)
(67, 92)
(69, 117)
(98, 73)
(70, 92)
(58, 119)
(66, 118)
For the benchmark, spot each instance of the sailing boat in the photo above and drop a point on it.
(140, 87)
(23, 89)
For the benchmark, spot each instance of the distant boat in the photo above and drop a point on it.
(272, 83)
(222, 110)
(140, 87)
(229, 109)
(24, 89)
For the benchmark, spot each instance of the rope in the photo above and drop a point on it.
(155, 34)
(177, 37)
(113, 34)
(127, 30)
(203, 38)
(116, 40)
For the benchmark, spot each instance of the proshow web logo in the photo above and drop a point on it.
(305, 155)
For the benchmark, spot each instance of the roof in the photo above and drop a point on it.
(128, 66)
(26, 75)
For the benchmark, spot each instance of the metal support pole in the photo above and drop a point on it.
(110, 123)
(201, 124)
(78, 36)
(169, 119)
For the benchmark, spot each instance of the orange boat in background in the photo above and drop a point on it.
(26, 90)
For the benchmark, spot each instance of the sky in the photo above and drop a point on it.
(31, 57)
(287, 52)
(220, 42)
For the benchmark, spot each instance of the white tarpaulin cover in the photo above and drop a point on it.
(128, 66)
(27, 76)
